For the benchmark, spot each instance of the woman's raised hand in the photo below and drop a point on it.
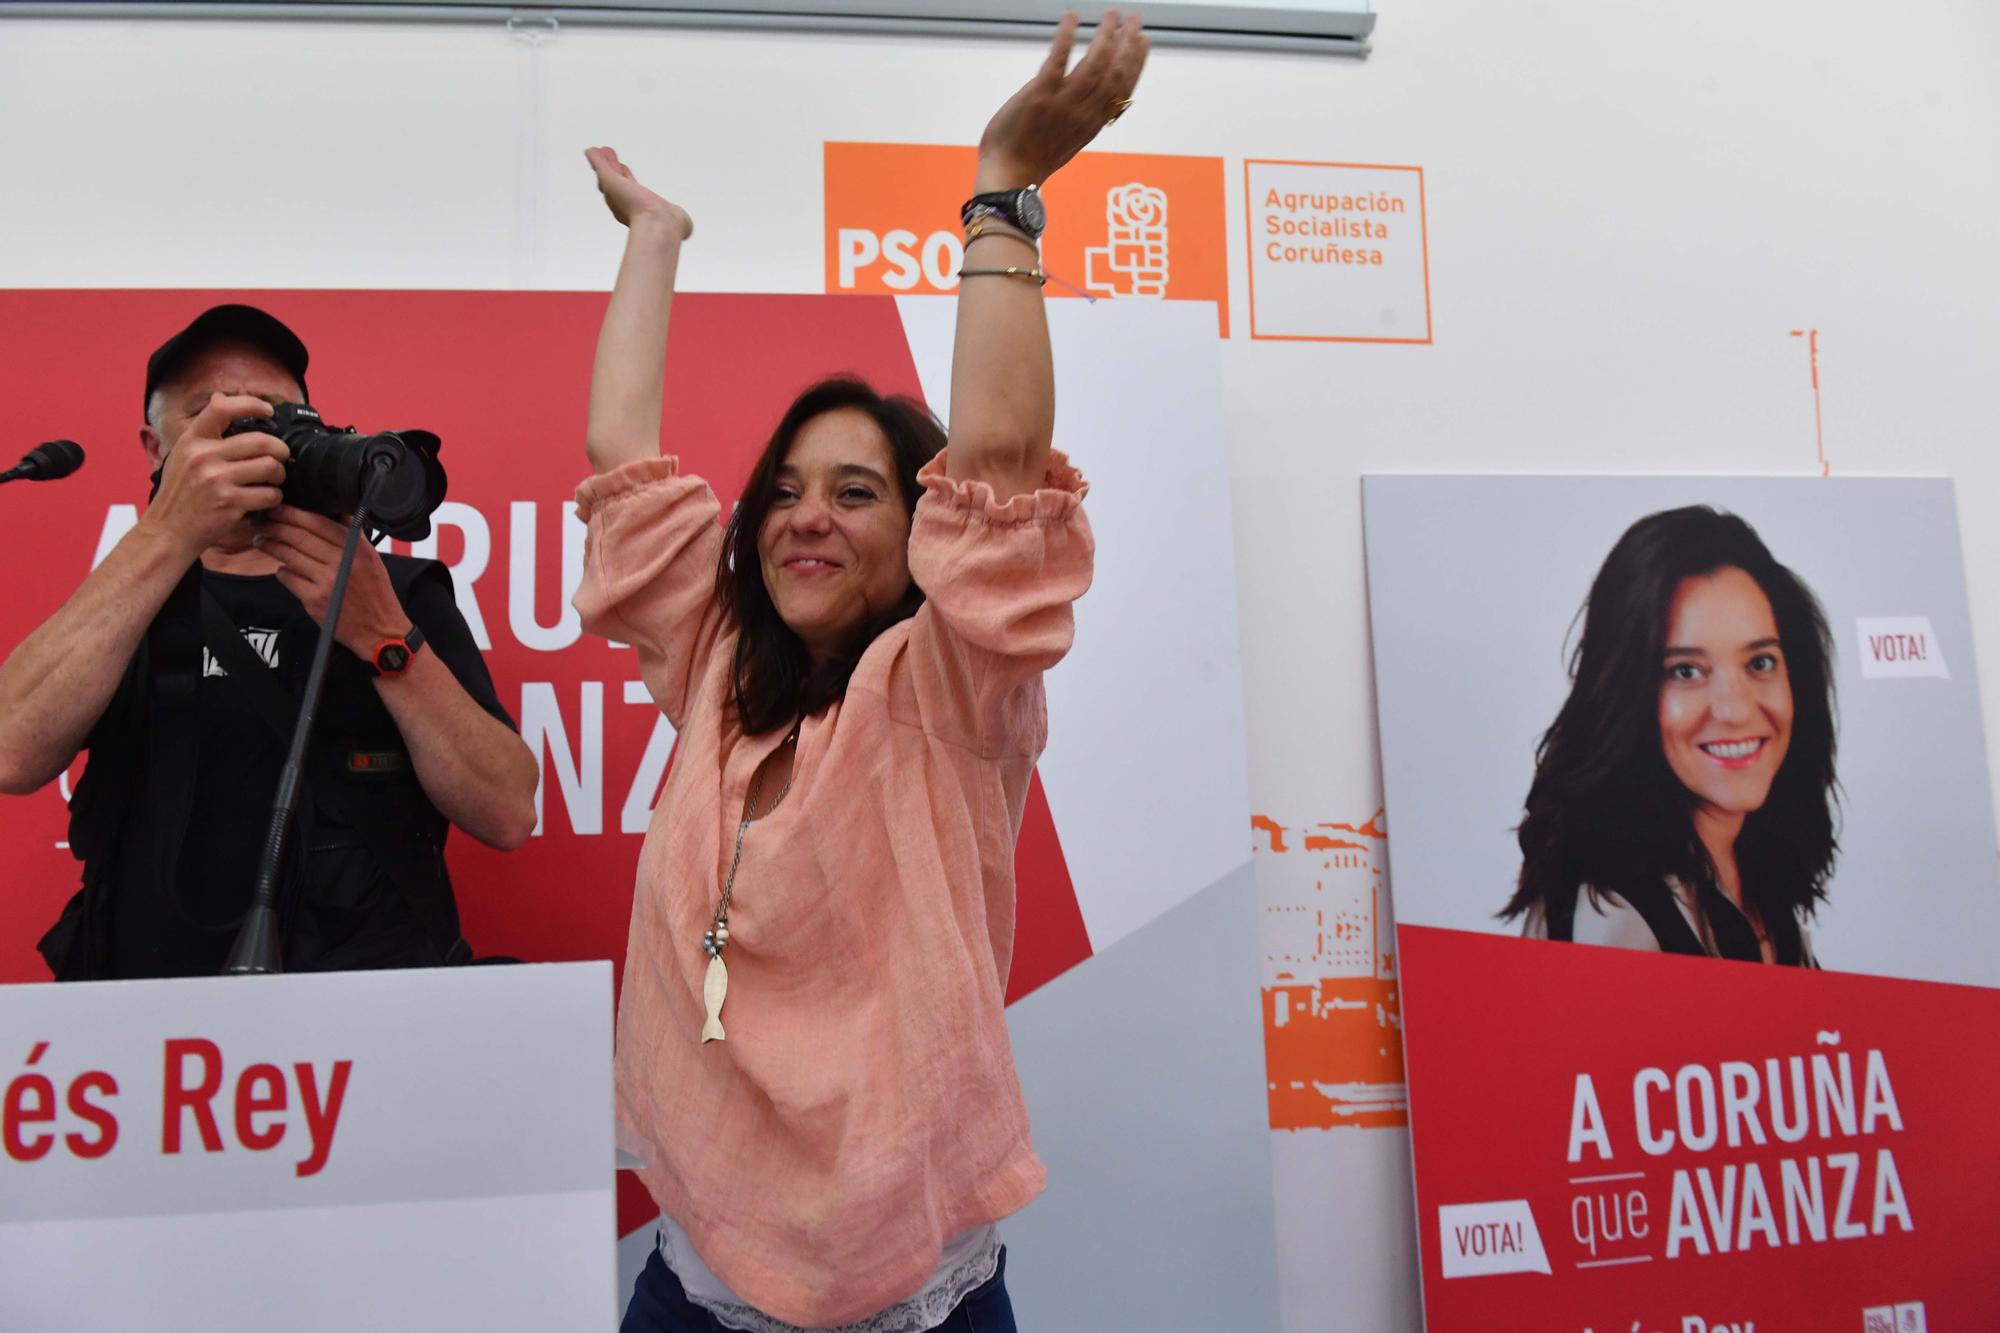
(630, 201)
(627, 378)
(1060, 110)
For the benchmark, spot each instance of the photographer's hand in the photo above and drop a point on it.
(307, 549)
(55, 685)
(475, 770)
(209, 484)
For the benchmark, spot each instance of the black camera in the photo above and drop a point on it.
(330, 468)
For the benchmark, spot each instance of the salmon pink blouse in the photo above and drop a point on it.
(864, 1106)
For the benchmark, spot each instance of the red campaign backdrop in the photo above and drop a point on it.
(1500, 1030)
(503, 377)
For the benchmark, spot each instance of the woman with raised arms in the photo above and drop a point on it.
(1684, 797)
(812, 1055)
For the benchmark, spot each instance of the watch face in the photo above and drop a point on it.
(392, 657)
(1033, 216)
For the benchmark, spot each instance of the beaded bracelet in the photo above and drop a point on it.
(1040, 278)
(1001, 229)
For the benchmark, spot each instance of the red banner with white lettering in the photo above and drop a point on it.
(1614, 1140)
(503, 378)
(1120, 826)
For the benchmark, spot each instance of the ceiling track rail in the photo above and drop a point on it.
(607, 16)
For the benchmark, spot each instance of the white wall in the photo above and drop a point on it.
(1630, 206)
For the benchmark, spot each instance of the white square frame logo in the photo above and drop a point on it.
(1908, 1317)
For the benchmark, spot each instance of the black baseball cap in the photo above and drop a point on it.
(228, 323)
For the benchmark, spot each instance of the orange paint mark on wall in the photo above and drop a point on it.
(1272, 829)
(1333, 1025)
(1819, 428)
(1376, 827)
(1333, 1052)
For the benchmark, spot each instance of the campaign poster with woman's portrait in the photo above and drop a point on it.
(1667, 762)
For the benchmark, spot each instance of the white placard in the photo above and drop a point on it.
(314, 1138)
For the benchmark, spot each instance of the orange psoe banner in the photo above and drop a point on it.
(1121, 225)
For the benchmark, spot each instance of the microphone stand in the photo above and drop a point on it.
(256, 951)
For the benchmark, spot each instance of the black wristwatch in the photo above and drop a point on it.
(392, 656)
(1017, 208)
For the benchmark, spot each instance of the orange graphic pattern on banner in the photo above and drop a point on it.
(1333, 1023)
(1122, 226)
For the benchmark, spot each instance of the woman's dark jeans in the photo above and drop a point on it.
(659, 1305)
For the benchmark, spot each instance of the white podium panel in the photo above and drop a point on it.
(382, 1150)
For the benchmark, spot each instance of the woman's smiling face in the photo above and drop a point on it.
(835, 545)
(1725, 697)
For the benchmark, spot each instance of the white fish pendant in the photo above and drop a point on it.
(714, 988)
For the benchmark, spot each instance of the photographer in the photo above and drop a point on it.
(146, 667)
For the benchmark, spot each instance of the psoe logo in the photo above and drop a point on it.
(1133, 259)
(900, 259)
(1131, 262)
(891, 225)
(1905, 1318)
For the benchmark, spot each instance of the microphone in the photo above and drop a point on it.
(46, 462)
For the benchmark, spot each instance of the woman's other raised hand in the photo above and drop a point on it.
(1059, 111)
(626, 380)
(630, 201)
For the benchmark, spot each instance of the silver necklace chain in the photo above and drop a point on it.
(716, 938)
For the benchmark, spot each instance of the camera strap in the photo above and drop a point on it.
(279, 709)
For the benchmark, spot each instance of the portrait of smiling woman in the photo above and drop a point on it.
(1684, 798)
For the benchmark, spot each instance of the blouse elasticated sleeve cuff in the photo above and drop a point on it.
(1062, 490)
(650, 553)
(999, 579)
(622, 481)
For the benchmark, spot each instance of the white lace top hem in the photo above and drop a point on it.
(969, 1259)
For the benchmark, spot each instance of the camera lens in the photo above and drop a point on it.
(329, 469)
